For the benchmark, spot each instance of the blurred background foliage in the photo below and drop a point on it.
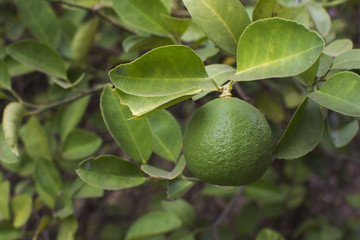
(316, 197)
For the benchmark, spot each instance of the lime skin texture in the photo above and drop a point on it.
(228, 142)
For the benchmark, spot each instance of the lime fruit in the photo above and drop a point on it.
(228, 142)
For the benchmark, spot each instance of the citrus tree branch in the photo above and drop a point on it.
(226, 212)
(67, 100)
(241, 93)
(95, 11)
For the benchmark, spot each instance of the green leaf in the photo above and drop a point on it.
(23, 167)
(347, 60)
(16, 68)
(296, 196)
(193, 34)
(275, 53)
(163, 174)
(182, 209)
(320, 17)
(47, 177)
(219, 73)
(144, 106)
(33, 14)
(353, 200)
(44, 222)
(178, 187)
(325, 62)
(222, 21)
(6, 155)
(152, 224)
(5, 80)
(167, 4)
(162, 72)
(65, 84)
(206, 52)
(341, 129)
(35, 139)
(271, 8)
(177, 26)
(64, 205)
(83, 40)
(8, 232)
(167, 135)
(338, 47)
(144, 15)
(303, 132)
(293, 3)
(68, 29)
(39, 56)
(269, 234)
(45, 197)
(87, 3)
(340, 94)
(133, 136)
(21, 206)
(4, 200)
(138, 43)
(11, 120)
(110, 173)
(80, 144)
(72, 115)
(265, 191)
(308, 77)
(80, 189)
(68, 228)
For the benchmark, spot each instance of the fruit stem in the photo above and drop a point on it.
(226, 91)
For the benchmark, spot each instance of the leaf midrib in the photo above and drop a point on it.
(147, 16)
(114, 175)
(164, 78)
(344, 62)
(81, 147)
(164, 147)
(277, 60)
(222, 21)
(223, 72)
(130, 132)
(338, 99)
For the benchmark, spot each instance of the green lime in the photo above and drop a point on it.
(228, 142)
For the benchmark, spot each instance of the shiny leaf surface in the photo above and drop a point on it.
(110, 173)
(133, 136)
(303, 132)
(152, 224)
(340, 94)
(222, 21)
(162, 72)
(275, 54)
(167, 135)
(39, 56)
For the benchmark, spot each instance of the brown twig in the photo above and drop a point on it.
(67, 100)
(95, 11)
(225, 213)
(241, 93)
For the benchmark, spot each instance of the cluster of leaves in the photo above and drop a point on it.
(165, 58)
